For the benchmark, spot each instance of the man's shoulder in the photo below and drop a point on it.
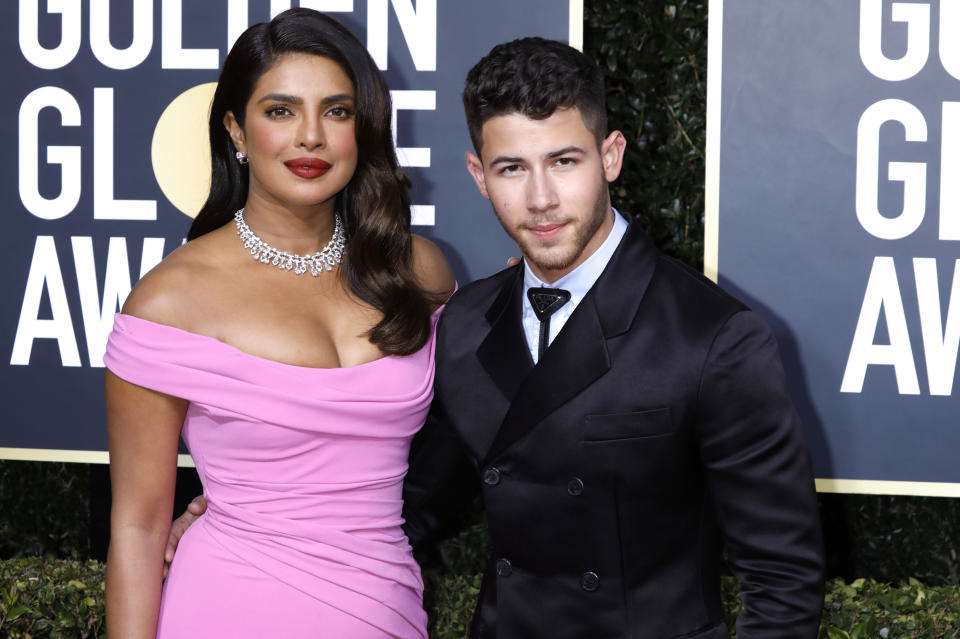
(693, 287)
(668, 280)
(477, 296)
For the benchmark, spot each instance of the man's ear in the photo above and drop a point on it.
(235, 131)
(611, 153)
(475, 167)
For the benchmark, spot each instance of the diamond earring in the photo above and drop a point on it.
(241, 158)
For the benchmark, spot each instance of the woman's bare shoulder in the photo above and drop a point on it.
(172, 293)
(431, 269)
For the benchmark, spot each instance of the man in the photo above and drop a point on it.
(629, 419)
(624, 426)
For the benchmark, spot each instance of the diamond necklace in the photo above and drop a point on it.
(326, 259)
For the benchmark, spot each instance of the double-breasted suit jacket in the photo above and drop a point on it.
(655, 429)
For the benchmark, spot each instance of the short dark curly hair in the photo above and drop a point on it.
(534, 77)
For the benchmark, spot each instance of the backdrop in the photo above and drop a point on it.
(834, 210)
(104, 162)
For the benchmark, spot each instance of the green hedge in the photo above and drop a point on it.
(44, 509)
(64, 598)
(51, 598)
(654, 56)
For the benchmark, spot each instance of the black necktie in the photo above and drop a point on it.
(546, 302)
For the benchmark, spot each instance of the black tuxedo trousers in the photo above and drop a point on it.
(655, 432)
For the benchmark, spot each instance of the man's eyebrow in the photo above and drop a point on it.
(565, 150)
(505, 159)
(508, 159)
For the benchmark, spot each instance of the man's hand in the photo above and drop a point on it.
(194, 509)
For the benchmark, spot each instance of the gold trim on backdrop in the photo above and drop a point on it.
(711, 212)
(75, 456)
(576, 24)
(872, 487)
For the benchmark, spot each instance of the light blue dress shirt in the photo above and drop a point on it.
(578, 282)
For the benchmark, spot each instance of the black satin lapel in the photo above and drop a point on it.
(504, 353)
(576, 358)
(621, 287)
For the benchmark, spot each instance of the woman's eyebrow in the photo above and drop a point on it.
(281, 97)
(340, 97)
(292, 99)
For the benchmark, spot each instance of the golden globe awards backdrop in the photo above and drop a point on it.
(104, 162)
(834, 210)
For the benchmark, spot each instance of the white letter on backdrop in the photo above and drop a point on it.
(420, 214)
(173, 55)
(142, 42)
(419, 28)
(97, 314)
(949, 42)
(912, 174)
(917, 18)
(941, 342)
(411, 101)
(278, 6)
(68, 157)
(45, 273)
(63, 53)
(152, 254)
(238, 14)
(104, 206)
(340, 6)
(950, 172)
(238, 19)
(882, 296)
(97, 317)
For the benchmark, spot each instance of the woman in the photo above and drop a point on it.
(297, 393)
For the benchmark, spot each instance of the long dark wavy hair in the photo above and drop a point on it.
(375, 203)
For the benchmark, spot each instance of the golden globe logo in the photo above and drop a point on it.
(51, 35)
(180, 151)
(883, 303)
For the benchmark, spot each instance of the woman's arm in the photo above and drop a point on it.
(143, 429)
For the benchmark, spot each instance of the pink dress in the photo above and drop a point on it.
(302, 469)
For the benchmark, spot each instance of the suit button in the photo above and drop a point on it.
(575, 487)
(504, 567)
(491, 476)
(589, 581)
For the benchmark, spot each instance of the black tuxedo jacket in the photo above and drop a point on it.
(655, 431)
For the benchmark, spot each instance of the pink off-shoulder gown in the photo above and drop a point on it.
(302, 469)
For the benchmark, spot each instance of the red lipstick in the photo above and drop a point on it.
(308, 168)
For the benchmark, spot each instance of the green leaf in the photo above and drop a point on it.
(921, 595)
(17, 612)
(837, 633)
(867, 628)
